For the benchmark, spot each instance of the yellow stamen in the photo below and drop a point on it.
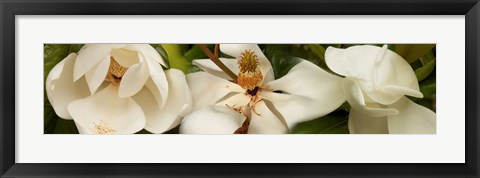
(250, 75)
(115, 72)
(101, 128)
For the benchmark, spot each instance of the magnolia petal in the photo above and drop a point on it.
(109, 112)
(264, 121)
(236, 50)
(60, 88)
(97, 74)
(134, 79)
(357, 61)
(382, 74)
(179, 103)
(308, 92)
(125, 57)
(235, 101)
(359, 123)
(157, 83)
(148, 51)
(212, 120)
(395, 75)
(412, 119)
(356, 99)
(88, 57)
(208, 89)
(207, 65)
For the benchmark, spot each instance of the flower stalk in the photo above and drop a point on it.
(214, 58)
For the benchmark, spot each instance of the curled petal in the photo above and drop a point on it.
(125, 57)
(157, 83)
(212, 120)
(96, 76)
(60, 88)
(307, 92)
(208, 89)
(148, 51)
(208, 66)
(106, 113)
(179, 103)
(382, 74)
(412, 119)
(357, 62)
(357, 100)
(264, 121)
(359, 123)
(88, 57)
(134, 79)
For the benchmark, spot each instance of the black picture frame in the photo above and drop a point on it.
(10, 8)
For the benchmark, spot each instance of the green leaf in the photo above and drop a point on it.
(428, 89)
(49, 119)
(161, 51)
(428, 86)
(423, 72)
(65, 127)
(196, 53)
(333, 123)
(413, 52)
(176, 58)
(280, 58)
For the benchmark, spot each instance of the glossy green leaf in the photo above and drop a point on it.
(65, 127)
(423, 72)
(413, 52)
(333, 123)
(428, 86)
(280, 57)
(176, 58)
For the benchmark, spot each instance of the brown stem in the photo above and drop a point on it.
(217, 61)
(216, 49)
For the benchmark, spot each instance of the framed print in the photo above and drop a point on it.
(187, 89)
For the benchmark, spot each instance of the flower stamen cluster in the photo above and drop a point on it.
(250, 75)
(115, 72)
(101, 128)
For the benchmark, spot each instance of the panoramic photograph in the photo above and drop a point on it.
(239, 89)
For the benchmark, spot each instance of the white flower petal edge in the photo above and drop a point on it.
(376, 80)
(60, 88)
(382, 74)
(357, 100)
(208, 89)
(178, 104)
(309, 92)
(134, 79)
(266, 122)
(212, 120)
(88, 57)
(412, 119)
(106, 112)
(96, 75)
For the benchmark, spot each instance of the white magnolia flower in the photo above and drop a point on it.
(376, 80)
(118, 89)
(258, 101)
